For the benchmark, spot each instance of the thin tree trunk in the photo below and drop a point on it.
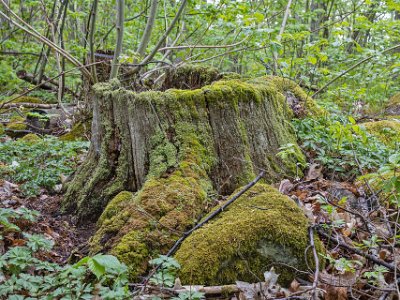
(91, 39)
(281, 30)
(120, 34)
(149, 28)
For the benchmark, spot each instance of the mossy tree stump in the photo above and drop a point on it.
(170, 153)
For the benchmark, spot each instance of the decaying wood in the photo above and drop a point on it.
(32, 105)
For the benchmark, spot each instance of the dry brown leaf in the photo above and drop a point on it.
(314, 172)
(336, 293)
(294, 286)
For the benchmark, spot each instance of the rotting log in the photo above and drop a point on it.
(160, 156)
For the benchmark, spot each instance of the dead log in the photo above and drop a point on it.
(33, 105)
(50, 85)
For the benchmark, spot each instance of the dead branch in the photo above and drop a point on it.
(316, 260)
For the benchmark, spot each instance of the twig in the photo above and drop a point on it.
(46, 81)
(316, 260)
(352, 68)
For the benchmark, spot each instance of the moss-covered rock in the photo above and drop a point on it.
(31, 138)
(77, 133)
(2, 131)
(15, 126)
(260, 229)
(388, 131)
(393, 106)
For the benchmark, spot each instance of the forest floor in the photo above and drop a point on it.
(69, 239)
(348, 217)
(341, 276)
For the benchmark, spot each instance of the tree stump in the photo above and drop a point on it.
(168, 154)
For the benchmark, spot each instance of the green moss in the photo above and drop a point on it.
(115, 206)
(388, 131)
(2, 131)
(31, 138)
(393, 106)
(188, 142)
(27, 99)
(260, 229)
(16, 123)
(190, 76)
(150, 222)
(77, 133)
(395, 99)
(308, 104)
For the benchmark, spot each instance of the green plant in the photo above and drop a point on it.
(189, 295)
(38, 165)
(342, 264)
(344, 148)
(166, 272)
(25, 272)
(376, 276)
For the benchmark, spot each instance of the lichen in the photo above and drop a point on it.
(260, 229)
(387, 131)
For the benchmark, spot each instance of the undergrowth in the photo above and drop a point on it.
(26, 273)
(344, 148)
(39, 164)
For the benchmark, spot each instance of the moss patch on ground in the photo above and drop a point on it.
(31, 138)
(387, 131)
(16, 123)
(260, 229)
